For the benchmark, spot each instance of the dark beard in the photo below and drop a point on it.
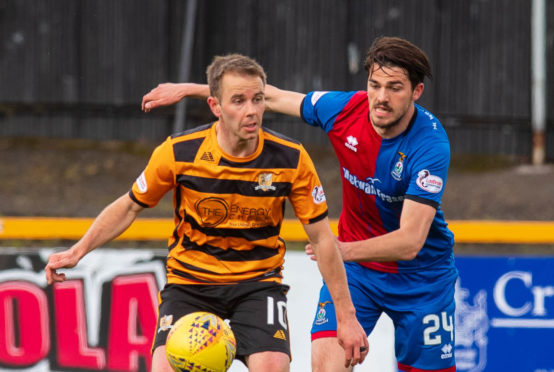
(388, 125)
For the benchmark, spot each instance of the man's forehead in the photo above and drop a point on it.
(388, 73)
(235, 83)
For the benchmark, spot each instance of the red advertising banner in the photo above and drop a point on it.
(102, 318)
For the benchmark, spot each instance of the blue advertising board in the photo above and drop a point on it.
(505, 314)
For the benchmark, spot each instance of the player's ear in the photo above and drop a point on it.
(418, 91)
(213, 102)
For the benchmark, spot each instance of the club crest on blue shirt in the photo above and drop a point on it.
(265, 181)
(398, 167)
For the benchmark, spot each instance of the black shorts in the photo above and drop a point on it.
(257, 313)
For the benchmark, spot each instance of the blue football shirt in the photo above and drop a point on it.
(378, 174)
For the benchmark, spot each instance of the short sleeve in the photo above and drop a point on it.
(321, 108)
(157, 178)
(428, 174)
(307, 196)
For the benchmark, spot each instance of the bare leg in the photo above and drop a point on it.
(268, 361)
(328, 356)
(159, 361)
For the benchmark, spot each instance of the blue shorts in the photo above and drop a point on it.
(420, 304)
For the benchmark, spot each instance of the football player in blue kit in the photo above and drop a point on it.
(394, 157)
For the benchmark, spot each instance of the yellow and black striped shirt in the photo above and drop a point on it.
(229, 210)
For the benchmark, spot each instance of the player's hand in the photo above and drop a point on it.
(346, 250)
(351, 336)
(310, 252)
(165, 94)
(61, 260)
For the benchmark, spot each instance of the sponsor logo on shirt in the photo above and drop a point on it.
(212, 211)
(370, 187)
(351, 143)
(398, 167)
(141, 183)
(432, 118)
(215, 211)
(428, 182)
(318, 195)
(317, 95)
(264, 182)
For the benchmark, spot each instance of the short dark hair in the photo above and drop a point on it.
(386, 51)
(231, 63)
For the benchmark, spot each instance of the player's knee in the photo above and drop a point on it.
(159, 361)
(328, 355)
(268, 361)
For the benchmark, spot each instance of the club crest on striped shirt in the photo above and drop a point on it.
(265, 181)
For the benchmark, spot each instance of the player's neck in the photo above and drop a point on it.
(233, 145)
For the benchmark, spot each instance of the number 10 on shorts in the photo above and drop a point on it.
(281, 312)
(435, 323)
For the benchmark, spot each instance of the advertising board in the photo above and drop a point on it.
(505, 314)
(102, 317)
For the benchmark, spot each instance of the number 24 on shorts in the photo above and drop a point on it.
(435, 322)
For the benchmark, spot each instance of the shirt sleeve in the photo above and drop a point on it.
(428, 174)
(321, 108)
(307, 196)
(157, 178)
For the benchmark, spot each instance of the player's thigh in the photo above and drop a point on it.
(159, 361)
(259, 321)
(177, 301)
(424, 337)
(268, 361)
(328, 355)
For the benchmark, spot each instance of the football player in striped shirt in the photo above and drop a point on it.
(230, 180)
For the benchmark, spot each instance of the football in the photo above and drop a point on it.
(200, 342)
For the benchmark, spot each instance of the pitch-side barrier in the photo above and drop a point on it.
(151, 229)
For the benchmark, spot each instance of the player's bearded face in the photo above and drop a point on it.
(241, 106)
(391, 97)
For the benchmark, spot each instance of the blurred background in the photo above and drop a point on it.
(73, 73)
(79, 68)
(73, 137)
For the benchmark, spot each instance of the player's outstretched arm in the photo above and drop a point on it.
(109, 224)
(168, 94)
(277, 100)
(283, 101)
(350, 333)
